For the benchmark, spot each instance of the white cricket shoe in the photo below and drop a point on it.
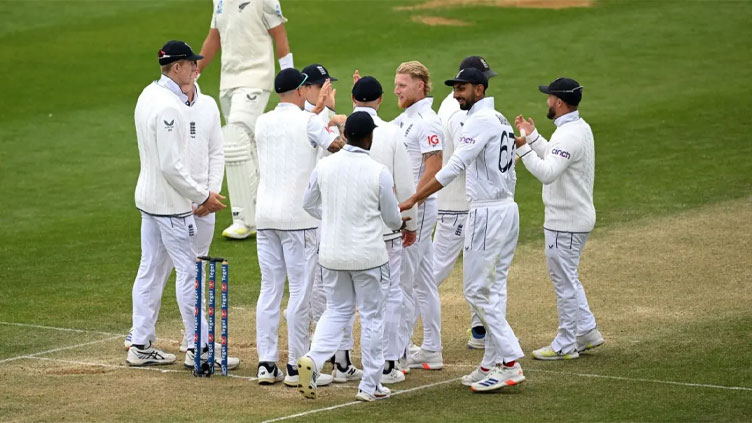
(402, 365)
(128, 339)
(292, 378)
(148, 356)
(474, 343)
(239, 230)
(269, 374)
(395, 376)
(477, 375)
(590, 340)
(307, 375)
(381, 392)
(500, 377)
(350, 374)
(426, 360)
(413, 348)
(548, 353)
(190, 357)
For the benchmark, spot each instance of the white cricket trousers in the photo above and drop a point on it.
(291, 255)
(448, 240)
(394, 347)
(563, 251)
(241, 107)
(318, 305)
(345, 289)
(164, 240)
(490, 240)
(421, 293)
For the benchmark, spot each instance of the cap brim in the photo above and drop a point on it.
(319, 81)
(489, 74)
(544, 89)
(451, 82)
(195, 57)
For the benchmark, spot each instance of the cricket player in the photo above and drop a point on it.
(164, 193)
(244, 30)
(320, 101)
(486, 153)
(566, 167)
(353, 195)
(388, 148)
(453, 206)
(287, 139)
(423, 134)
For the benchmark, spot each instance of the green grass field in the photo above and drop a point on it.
(667, 270)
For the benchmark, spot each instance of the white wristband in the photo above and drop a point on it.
(286, 61)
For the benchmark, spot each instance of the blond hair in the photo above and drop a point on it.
(418, 71)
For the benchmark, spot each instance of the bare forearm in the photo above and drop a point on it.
(281, 44)
(209, 49)
(432, 164)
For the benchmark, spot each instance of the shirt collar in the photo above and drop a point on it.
(354, 149)
(566, 118)
(308, 106)
(171, 85)
(285, 105)
(484, 103)
(419, 106)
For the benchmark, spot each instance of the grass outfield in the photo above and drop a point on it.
(666, 88)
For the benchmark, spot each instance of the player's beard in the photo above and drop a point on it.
(551, 113)
(468, 103)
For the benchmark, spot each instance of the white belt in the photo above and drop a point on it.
(491, 203)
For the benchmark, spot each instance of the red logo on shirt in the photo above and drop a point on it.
(433, 139)
(328, 129)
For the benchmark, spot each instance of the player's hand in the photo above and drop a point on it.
(337, 120)
(520, 141)
(330, 98)
(201, 211)
(407, 204)
(356, 76)
(213, 203)
(527, 125)
(408, 238)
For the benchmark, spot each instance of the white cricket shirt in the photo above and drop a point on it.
(453, 197)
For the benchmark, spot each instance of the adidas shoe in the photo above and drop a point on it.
(351, 373)
(269, 373)
(426, 360)
(548, 353)
(128, 339)
(381, 392)
(148, 356)
(590, 340)
(395, 376)
(474, 343)
(238, 230)
(500, 377)
(477, 375)
(307, 375)
(190, 360)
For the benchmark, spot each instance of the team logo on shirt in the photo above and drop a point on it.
(242, 6)
(562, 153)
(193, 129)
(433, 139)
(219, 7)
(169, 125)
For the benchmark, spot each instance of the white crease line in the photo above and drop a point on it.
(665, 382)
(347, 404)
(28, 325)
(59, 349)
(122, 366)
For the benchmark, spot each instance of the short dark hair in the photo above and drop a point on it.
(357, 140)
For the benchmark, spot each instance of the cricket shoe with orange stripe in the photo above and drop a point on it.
(428, 360)
(500, 377)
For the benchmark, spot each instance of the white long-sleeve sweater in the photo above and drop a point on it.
(566, 167)
(165, 186)
(206, 143)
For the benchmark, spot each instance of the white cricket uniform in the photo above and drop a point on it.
(287, 140)
(246, 81)
(566, 167)
(449, 236)
(354, 197)
(423, 134)
(388, 148)
(164, 193)
(486, 152)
